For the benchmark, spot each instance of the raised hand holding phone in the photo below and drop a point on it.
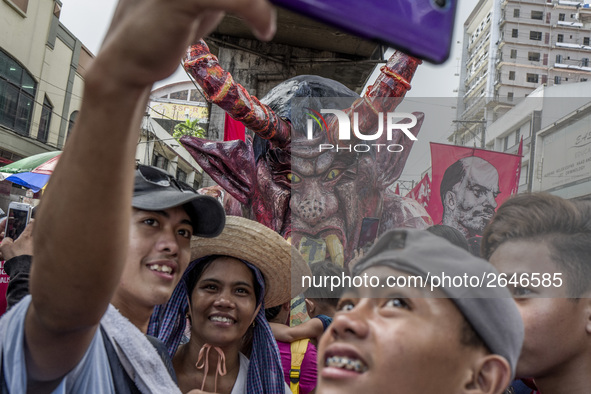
(17, 219)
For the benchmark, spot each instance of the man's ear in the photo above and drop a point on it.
(587, 308)
(491, 375)
(450, 200)
(310, 306)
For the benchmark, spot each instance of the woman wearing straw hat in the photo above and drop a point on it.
(224, 293)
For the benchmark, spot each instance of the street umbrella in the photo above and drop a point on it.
(34, 170)
(30, 180)
(30, 163)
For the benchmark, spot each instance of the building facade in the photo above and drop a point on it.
(555, 125)
(510, 48)
(42, 67)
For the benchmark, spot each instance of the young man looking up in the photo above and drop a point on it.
(394, 336)
(90, 248)
(545, 241)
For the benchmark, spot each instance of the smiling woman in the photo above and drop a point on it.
(223, 294)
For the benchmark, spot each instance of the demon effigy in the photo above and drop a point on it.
(300, 177)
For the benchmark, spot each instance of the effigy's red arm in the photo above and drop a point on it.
(220, 88)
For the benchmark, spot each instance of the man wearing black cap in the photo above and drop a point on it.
(399, 336)
(165, 214)
(90, 248)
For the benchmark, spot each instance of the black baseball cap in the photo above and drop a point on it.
(155, 190)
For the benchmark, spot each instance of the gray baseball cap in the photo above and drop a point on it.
(156, 190)
(491, 311)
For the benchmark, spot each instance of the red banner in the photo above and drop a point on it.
(468, 184)
(422, 191)
(233, 129)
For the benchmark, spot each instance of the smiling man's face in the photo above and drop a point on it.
(399, 341)
(159, 252)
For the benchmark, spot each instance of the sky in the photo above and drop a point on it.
(432, 86)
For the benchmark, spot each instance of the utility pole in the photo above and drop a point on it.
(482, 129)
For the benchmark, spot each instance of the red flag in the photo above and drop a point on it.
(489, 166)
(397, 192)
(233, 129)
(422, 191)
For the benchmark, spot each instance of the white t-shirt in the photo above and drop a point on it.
(240, 384)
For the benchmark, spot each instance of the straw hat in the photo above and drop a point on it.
(280, 263)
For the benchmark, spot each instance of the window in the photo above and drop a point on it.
(533, 78)
(535, 35)
(196, 95)
(181, 175)
(585, 62)
(561, 17)
(538, 15)
(71, 123)
(585, 40)
(21, 5)
(558, 58)
(511, 75)
(557, 80)
(160, 161)
(513, 53)
(548, 17)
(516, 13)
(560, 38)
(533, 56)
(45, 120)
(509, 98)
(514, 33)
(546, 38)
(523, 175)
(544, 79)
(182, 95)
(17, 95)
(545, 61)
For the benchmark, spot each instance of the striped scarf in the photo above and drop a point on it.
(265, 373)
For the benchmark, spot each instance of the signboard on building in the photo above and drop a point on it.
(179, 112)
(566, 156)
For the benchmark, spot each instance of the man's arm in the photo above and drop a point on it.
(81, 238)
(313, 329)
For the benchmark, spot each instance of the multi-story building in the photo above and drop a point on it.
(554, 124)
(510, 48)
(42, 67)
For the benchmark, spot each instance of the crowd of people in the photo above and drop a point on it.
(135, 283)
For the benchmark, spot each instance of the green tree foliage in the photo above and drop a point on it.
(190, 127)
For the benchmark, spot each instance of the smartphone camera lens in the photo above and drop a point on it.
(440, 3)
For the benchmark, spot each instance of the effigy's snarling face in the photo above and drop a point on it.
(333, 188)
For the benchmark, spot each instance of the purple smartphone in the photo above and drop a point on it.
(422, 28)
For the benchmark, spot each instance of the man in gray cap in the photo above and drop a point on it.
(417, 321)
(92, 250)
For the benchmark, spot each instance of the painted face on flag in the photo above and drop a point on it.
(471, 202)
